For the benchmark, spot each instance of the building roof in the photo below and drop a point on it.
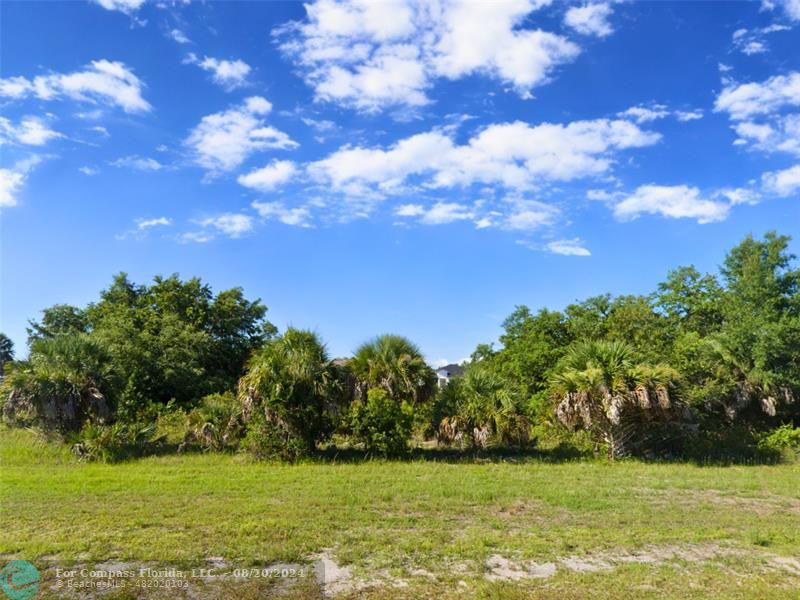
(453, 370)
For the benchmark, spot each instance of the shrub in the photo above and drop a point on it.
(783, 442)
(382, 424)
(217, 424)
(110, 443)
(266, 441)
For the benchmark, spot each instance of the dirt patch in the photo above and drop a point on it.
(331, 577)
(503, 569)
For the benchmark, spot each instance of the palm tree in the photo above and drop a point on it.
(396, 365)
(6, 351)
(65, 381)
(752, 380)
(295, 385)
(601, 388)
(487, 405)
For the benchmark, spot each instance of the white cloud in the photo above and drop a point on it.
(752, 41)
(102, 81)
(573, 247)
(125, 6)
(643, 114)
(230, 74)
(674, 202)
(12, 180)
(762, 113)
(590, 19)
(139, 163)
(233, 225)
(790, 7)
(515, 155)
(178, 36)
(740, 196)
(88, 171)
(781, 134)
(10, 183)
(269, 177)
(744, 101)
(409, 210)
(373, 55)
(298, 217)
(32, 131)
(223, 141)
(782, 183)
(528, 215)
(688, 115)
(446, 212)
(512, 213)
(155, 222)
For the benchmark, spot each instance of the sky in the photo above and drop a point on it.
(404, 167)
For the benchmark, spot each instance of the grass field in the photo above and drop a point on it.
(419, 529)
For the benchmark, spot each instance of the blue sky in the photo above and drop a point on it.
(394, 166)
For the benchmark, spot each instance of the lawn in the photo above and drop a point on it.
(417, 529)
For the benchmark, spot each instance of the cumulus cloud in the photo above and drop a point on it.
(232, 225)
(139, 163)
(372, 55)
(223, 141)
(674, 202)
(644, 114)
(763, 113)
(101, 81)
(512, 213)
(590, 19)
(125, 6)
(155, 222)
(791, 8)
(31, 131)
(748, 100)
(573, 247)
(269, 177)
(779, 134)
(298, 217)
(10, 183)
(229, 74)
(688, 115)
(12, 180)
(88, 171)
(782, 183)
(515, 155)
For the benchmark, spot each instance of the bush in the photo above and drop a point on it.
(110, 443)
(783, 442)
(217, 424)
(266, 441)
(382, 424)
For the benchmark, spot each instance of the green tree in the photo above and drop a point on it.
(489, 407)
(293, 391)
(67, 380)
(396, 365)
(6, 351)
(757, 348)
(600, 387)
(56, 320)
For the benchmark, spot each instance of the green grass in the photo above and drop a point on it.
(385, 519)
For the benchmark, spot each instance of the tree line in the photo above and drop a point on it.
(707, 366)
